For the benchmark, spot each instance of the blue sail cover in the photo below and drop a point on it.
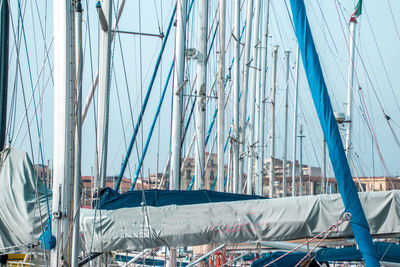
(289, 260)
(330, 129)
(389, 252)
(111, 199)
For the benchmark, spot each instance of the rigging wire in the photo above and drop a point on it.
(95, 190)
(126, 85)
(381, 58)
(120, 115)
(326, 233)
(334, 55)
(327, 26)
(33, 115)
(128, 93)
(34, 89)
(18, 70)
(362, 96)
(292, 78)
(17, 43)
(34, 38)
(161, 30)
(394, 21)
(140, 71)
(144, 105)
(92, 75)
(13, 104)
(158, 20)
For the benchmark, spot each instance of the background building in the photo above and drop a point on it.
(312, 182)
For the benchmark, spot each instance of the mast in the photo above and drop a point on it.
(272, 164)
(296, 98)
(201, 92)
(104, 8)
(221, 95)
(256, 43)
(177, 97)
(324, 178)
(243, 100)
(64, 83)
(179, 84)
(4, 35)
(261, 130)
(236, 93)
(301, 136)
(287, 55)
(78, 134)
(350, 79)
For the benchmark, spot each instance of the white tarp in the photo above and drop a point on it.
(233, 222)
(23, 212)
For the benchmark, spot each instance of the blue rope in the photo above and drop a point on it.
(188, 121)
(148, 95)
(146, 100)
(152, 127)
(212, 42)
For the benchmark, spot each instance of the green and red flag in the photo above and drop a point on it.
(357, 10)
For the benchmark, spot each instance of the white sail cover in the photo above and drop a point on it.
(23, 212)
(233, 222)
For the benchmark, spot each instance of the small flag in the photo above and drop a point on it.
(357, 10)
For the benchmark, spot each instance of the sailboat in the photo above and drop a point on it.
(136, 221)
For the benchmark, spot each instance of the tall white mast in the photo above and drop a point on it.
(201, 92)
(350, 79)
(104, 90)
(179, 85)
(243, 100)
(221, 95)
(236, 93)
(261, 130)
(301, 136)
(272, 164)
(324, 180)
(64, 80)
(296, 96)
(78, 134)
(179, 73)
(254, 55)
(284, 161)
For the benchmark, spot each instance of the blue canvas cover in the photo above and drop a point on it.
(339, 254)
(289, 260)
(111, 199)
(389, 252)
(330, 129)
(147, 261)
